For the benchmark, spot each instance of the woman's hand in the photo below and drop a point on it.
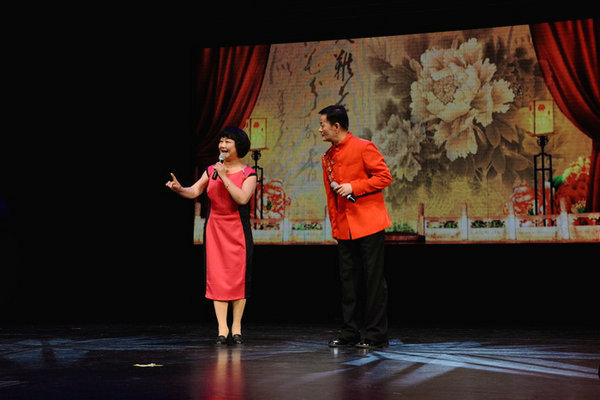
(174, 184)
(220, 168)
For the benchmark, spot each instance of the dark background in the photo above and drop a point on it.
(103, 109)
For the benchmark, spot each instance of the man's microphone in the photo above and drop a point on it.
(349, 197)
(222, 157)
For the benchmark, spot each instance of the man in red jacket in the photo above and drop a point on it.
(354, 175)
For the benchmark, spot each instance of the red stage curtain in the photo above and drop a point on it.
(228, 83)
(568, 55)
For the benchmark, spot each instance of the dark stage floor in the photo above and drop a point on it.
(293, 362)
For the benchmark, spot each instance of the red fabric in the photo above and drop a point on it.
(228, 83)
(226, 241)
(358, 162)
(568, 54)
(593, 196)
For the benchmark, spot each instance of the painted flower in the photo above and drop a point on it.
(522, 199)
(574, 186)
(275, 199)
(399, 143)
(454, 91)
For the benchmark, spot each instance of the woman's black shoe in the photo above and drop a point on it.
(237, 339)
(221, 341)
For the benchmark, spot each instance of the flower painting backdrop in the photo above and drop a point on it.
(448, 110)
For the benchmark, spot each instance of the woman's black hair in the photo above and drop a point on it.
(242, 142)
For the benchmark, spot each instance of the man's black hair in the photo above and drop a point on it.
(336, 113)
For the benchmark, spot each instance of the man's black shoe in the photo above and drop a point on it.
(341, 342)
(371, 344)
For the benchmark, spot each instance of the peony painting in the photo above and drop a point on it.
(448, 110)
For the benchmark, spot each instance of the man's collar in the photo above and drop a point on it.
(345, 140)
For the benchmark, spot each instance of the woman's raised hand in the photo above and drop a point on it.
(173, 184)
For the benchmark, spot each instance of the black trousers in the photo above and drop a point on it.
(363, 287)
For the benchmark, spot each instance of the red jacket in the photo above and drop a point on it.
(358, 162)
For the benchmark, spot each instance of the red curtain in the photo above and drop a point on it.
(228, 83)
(568, 55)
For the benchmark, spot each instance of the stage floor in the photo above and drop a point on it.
(293, 362)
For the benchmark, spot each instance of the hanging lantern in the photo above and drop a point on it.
(258, 133)
(541, 118)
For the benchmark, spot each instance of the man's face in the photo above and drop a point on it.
(328, 132)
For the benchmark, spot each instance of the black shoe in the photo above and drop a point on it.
(237, 339)
(341, 342)
(221, 341)
(371, 344)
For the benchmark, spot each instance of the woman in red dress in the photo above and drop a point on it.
(227, 237)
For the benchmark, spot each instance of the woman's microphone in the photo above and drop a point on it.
(222, 157)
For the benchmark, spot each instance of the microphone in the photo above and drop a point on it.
(222, 157)
(349, 197)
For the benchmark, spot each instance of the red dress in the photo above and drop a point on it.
(227, 240)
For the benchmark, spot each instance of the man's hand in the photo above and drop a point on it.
(344, 189)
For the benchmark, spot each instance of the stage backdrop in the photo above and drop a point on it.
(450, 112)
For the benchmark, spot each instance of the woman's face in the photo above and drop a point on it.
(227, 146)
